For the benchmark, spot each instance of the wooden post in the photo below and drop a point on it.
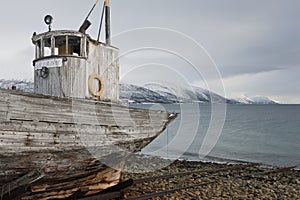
(107, 23)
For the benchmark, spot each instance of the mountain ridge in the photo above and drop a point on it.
(157, 93)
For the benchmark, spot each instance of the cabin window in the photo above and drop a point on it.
(74, 45)
(61, 47)
(47, 46)
(67, 45)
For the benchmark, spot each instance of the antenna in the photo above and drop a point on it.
(101, 21)
(86, 23)
(91, 10)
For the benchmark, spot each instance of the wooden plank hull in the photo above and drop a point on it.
(73, 143)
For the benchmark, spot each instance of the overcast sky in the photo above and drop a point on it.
(252, 47)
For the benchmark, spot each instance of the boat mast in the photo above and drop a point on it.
(107, 23)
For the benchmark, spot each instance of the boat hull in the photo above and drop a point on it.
(80, 142)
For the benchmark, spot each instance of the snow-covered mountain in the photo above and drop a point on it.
(136, 94)
(187, 95)
(26, 86)
(256, 100)
(157, 93)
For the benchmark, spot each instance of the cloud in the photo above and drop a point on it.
(253, 43)
(281, 85)
(233, 71)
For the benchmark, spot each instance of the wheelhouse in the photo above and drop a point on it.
(72, 64)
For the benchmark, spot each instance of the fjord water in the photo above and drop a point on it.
(267, 134)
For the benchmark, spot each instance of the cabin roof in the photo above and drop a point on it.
(57, 33)
(37, 37)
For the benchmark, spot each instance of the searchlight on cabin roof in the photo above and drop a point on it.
(48, 20)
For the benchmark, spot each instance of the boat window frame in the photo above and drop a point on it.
(38, 49)
(46, 49)
(40, 45)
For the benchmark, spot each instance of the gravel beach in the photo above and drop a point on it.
(223, 184)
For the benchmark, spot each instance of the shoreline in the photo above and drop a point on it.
(225, 161)
(217, 160)
(224, 184)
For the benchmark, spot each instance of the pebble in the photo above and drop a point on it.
(270, 186)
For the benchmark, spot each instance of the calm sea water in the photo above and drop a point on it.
(268, 134)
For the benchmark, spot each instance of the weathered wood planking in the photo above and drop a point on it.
(56, 186)
(70, 79)
(55, 119)
(66, 138)
(63, 189)
(83, 112)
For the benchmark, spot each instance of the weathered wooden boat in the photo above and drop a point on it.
(72, 133)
